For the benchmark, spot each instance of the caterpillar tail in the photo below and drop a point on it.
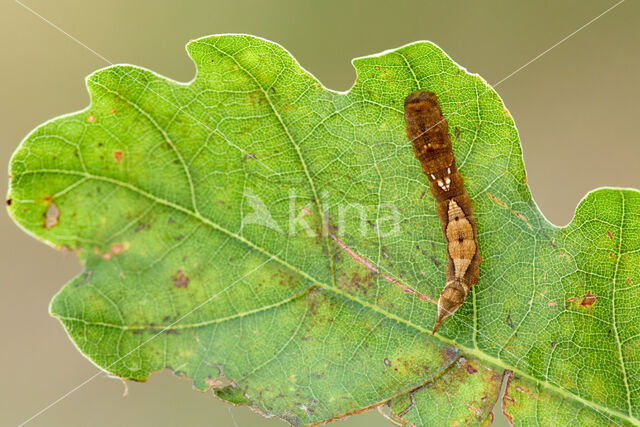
(451, 298)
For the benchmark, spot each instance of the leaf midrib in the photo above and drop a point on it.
(477, 353)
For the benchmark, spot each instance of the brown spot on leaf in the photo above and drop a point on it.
(629, 280)
(572, 299)
(358, 282)
(118, 155)
(610, 254)
(519, 215)
(218, 382)
(589, 299)
(610, 235)
(116, 249)
(504, 205)
(91, 118)
(8, 202)
(552, 303)
(471, 370)
(51, 216)
(450, 353)
(306, 210)
(498, 201)
(180, 280)
(114, 110)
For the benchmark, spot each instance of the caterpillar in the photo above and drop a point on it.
(428, 132)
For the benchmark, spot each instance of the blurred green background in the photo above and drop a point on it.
(576, 109)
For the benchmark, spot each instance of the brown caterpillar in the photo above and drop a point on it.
(429, 133)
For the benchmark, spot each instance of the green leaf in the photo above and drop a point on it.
(463, 395)
(276, 241)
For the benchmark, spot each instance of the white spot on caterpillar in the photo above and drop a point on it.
(445, 185)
